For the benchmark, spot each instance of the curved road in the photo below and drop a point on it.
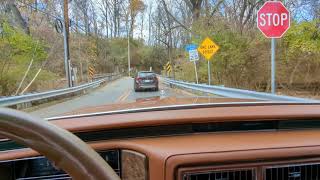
(117, 91)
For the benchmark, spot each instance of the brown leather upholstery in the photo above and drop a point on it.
(60, 146)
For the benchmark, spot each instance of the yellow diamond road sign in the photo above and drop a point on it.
(208, 48)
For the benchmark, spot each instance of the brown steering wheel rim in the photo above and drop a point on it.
(61, 147)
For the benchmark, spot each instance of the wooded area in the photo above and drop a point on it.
(32, 49)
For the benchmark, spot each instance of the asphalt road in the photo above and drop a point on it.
(115, 92)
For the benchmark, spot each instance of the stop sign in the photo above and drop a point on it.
(273, 19)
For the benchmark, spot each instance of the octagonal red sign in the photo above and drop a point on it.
(273, 19)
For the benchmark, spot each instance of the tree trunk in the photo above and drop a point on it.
(142, 24)
(115, 2)
(15, 17)
(86, 23)
(293, 73)
(196, 9)
(150, 28)
(118, 19)
(106, 18)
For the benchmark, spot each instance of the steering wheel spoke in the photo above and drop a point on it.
(64, 149)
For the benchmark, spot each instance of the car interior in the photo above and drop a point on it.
(160, 89)
(248, 141)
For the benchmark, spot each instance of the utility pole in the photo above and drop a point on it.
(128, 31)
(66, 43)
(129, 67)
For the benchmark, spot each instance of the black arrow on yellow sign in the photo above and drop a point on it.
(168, 68)
(91, 72)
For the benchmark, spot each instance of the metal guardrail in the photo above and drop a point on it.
(235, 93)
(100, 76)
(15, 100)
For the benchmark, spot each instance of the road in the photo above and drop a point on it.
(117, 91)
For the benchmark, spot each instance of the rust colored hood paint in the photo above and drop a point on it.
(155, 102)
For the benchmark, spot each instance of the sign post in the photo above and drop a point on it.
(273, 21)
(208, 48)
(273, 65)
(193, 57)
(209, 73)
(195, 70)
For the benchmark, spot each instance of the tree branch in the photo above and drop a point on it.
(216, 8)
(162, 41)
(188, 3)
(174, 18)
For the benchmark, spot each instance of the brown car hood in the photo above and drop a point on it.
(155, 102)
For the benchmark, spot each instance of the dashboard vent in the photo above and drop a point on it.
(40, 168)
(293, 172)
(240, 174)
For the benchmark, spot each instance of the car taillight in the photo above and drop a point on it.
(138, 80)
(155, 78)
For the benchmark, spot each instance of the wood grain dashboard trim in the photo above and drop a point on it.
(134, 165)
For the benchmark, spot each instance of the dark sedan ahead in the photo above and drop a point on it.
(146, 80)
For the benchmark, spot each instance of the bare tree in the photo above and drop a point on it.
(83, 7)
(149, 25)
(142, 23)
(14, 16)
(135, 6)
(195, 7)
(240, 12)
(105, 10)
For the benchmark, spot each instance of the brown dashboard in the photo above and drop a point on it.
(247, 142)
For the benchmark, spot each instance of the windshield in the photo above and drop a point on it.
(145, 74)
(63, 57)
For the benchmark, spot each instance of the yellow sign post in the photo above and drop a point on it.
(208, 48)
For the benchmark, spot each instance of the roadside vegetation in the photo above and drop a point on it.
(243, 60)
(31, 47)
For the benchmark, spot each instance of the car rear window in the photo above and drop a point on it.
(145, 74)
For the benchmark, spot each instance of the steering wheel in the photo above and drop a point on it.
(61, 147)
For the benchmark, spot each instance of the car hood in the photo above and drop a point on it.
(156, 102)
